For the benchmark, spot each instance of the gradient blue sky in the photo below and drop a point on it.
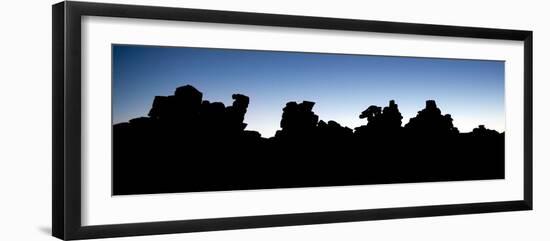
(342, 86)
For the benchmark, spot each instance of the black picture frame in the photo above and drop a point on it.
(66, 47)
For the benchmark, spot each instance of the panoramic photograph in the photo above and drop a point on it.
(190, 119)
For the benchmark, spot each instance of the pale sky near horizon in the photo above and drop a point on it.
(342, 86)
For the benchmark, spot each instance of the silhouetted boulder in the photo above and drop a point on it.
(160, 107)
(391, 117)
(252, 134)
(298, 119)
(431, 121)
(333, 130)
(373, 114)
(482, 131)
(212, 118)
(183, 106)
(186, 114)
(380, 121)
(236, 112)
(188, 96)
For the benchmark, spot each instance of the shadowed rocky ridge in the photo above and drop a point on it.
(187, 144)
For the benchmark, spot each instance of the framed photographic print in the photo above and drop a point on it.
(169, 120)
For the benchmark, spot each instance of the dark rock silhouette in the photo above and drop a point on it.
(298, 119)
(188, 144)
(391, 116)
(332, 128)
(482, 131)
(235, 113)
(385, 121)
(431, 121)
